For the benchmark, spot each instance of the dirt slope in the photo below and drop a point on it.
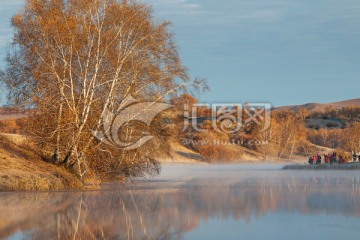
(21, 169)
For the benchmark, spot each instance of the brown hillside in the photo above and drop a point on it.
(22, 169)
(322, 106)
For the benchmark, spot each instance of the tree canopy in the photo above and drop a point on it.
(75, 60)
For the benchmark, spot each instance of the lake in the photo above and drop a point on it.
(258, 201)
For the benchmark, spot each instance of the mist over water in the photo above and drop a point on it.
(255, 201)
(228, 171)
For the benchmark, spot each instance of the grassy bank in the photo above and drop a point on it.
(22, 169)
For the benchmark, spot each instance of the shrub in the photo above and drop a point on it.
(218, 153)
(332, 124)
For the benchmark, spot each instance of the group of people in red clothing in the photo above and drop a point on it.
(328, 159)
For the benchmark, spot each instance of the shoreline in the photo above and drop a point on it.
(335, 166)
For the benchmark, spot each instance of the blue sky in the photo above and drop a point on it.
(279, 51)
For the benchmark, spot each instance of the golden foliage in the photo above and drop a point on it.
(75, 60)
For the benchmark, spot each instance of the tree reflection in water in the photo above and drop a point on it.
(167, 210)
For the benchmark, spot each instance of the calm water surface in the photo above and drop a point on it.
(195, 202)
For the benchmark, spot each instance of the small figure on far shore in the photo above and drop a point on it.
(328, 158)
(311, 160)
(318, 160)
(333, 158)
(341, 159)
(355, 156)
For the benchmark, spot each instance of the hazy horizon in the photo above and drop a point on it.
(277, 51)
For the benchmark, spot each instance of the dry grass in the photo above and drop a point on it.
(22, 169)
(179, 153)
(227, 154)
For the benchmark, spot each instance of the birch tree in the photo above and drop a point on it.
(75, 60)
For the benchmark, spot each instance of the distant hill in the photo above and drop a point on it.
(7, 113)
(321, 106)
